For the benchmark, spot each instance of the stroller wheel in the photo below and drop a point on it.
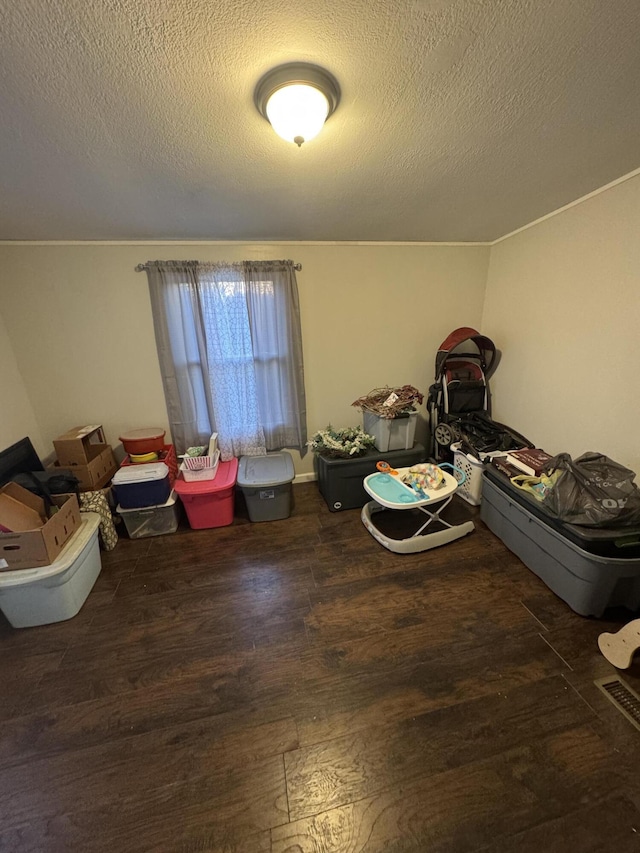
(444, 435)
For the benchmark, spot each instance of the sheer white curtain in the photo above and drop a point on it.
(230, 350)
(232, 377)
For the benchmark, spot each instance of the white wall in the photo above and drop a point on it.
(563, 305)
(17, 418)
(82, 333)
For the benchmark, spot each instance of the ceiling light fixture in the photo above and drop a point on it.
(297, 99)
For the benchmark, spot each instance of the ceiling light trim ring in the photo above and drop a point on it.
(296, 73)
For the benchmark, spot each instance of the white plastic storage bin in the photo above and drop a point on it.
(151, 520)
(471, 489)
(54, 593)
(391, 433)
(266, 485)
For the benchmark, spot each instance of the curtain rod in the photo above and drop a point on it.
(144, 267)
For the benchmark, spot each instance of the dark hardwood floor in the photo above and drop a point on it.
(293, 687)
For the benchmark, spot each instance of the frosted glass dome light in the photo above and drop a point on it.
(298, 112)
(297, 99)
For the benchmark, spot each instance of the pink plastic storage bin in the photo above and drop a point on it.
(209, 503)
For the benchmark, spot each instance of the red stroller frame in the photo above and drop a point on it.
(463, 363)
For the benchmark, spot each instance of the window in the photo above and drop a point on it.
(230, 351)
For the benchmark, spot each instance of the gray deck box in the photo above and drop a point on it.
(340, 480)
(562, 556)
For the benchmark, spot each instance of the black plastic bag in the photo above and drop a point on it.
(48, 483)
(593, 491)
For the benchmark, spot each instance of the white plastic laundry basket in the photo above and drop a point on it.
(471, 489)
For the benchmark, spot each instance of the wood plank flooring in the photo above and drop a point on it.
(293, 687)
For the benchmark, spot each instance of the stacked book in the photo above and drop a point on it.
(529, 460)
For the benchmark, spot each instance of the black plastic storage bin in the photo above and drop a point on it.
(340, 480)
(589, 569)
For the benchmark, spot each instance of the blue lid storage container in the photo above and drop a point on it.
(136, 486)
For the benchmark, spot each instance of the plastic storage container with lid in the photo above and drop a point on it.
(391, 433)
(145, 440)
(209, 503)
(340, 480)
(56, 592)
(142, 485)
(590, 569)
(151, 520)
(266, 485)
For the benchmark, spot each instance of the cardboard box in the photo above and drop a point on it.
(16, 516)
(30, 549)
(80, 445)
(95, 474)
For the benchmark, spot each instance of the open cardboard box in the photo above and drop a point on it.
(40, 545)
(16, 517)
(94, 474)
(80, 445)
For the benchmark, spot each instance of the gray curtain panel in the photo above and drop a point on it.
(182, 351)
(274, 317)
(230, 350)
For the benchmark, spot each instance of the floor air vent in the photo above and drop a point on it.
(623, 697)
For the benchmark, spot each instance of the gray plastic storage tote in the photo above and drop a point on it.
(266, 485)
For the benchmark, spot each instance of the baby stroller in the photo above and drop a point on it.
(458, 402)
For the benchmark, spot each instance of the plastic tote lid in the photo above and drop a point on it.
(225, 479)
(274, 469)
(147, 434)
(140, 473)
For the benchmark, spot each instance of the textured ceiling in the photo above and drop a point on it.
(460, 120)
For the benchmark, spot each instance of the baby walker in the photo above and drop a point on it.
(429, 489)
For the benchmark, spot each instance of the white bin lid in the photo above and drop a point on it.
(274, 469)
(140, 473)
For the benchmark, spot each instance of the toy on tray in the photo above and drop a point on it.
(385, 468)
(424, 477)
